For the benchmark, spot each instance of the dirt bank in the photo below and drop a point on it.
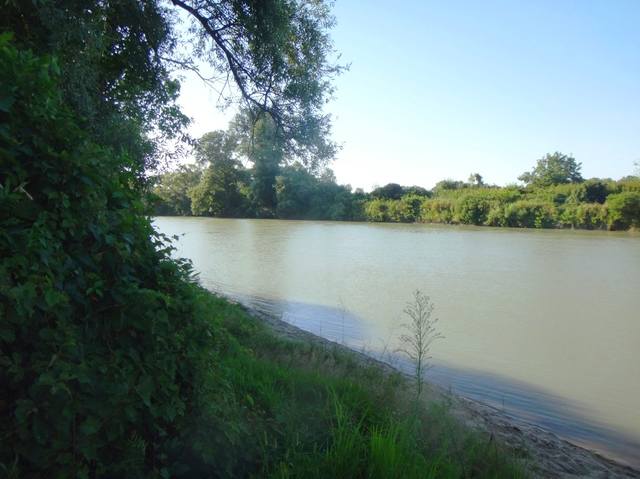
(548, 455)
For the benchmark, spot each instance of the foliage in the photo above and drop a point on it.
(220, 189)
(278, 53)
(303, 195)
(216, 147)
(103, 342)
(420, 335)
(438, 210)
(472, 209)
(282, 408)
(107, 349)
(475, 179)
(530, 214)
(377, 210)
(553, 169)
(174, 189)
(391, 191)
(584, 215)
(447, 184)
(416, 191)
(112, 73)
(624, 210)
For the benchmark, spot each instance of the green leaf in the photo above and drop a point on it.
(7, 335)
(90, 426)
(144, 388)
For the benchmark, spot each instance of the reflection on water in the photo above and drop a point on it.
(541, 323)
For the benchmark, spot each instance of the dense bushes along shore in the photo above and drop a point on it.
(298, 194)
(593, 204)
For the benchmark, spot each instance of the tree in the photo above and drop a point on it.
(173, 190)
(417, 191)
(475, 179)
(100, 341)
(216, 147)
(278, 54)
(553, 169)
(390, 191)
(105, 349)
(262, 145)
(117, 58)
(109, 57)
(448, 184)
(624, 210)
(219, 191)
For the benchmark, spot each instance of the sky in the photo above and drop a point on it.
(445, 89)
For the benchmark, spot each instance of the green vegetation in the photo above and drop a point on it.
(112, 362)
(299, 409)
(555, 196)
(420, 334)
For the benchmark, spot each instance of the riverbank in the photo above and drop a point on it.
(283, 406)
(540, 452)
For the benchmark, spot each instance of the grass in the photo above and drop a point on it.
(284, 409)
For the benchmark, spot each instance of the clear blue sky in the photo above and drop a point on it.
(442, 89)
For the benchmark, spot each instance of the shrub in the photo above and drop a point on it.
(377, 210)
(629, 184)
(530, 214)
(472, 209)
(101, 340)
(411, 207)
(437, 210)
(496, 216)
(585, 215)
(624, 210)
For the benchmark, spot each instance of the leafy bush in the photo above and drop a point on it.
(584, 215)
(438, 210)
(173, 191)
(629, 184)
(624, 210)
(102, 340)
(530, 214)
(472, 209)
(377, 210)
(497, 216)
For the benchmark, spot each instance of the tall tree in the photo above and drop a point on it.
(390, 191)
(103, 348)
(553, 169)
(174, 190)
(219, 191)
(264, 149)
(216, 147)
(110, 57)
(475, 179)
(116, 59)
(279, 54)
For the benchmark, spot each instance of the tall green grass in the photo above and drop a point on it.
(284, 409)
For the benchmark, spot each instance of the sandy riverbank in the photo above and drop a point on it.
(548, 455)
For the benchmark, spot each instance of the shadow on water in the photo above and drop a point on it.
(516, 399)
(533, 405)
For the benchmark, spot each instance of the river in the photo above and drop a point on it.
(543, 324)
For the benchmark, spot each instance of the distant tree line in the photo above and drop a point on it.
(233, 178)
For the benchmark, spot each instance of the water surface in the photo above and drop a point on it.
(544, 324)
